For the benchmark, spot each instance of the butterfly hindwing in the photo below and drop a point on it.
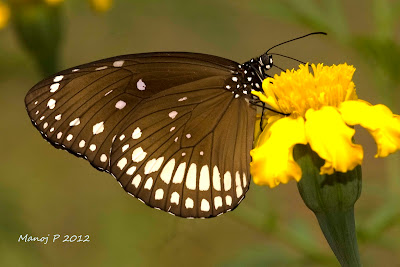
(188, 155)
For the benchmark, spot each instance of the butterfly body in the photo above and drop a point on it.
(175, 129)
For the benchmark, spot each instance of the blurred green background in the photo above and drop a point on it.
(47, 191)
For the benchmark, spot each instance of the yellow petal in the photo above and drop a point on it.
(272, 159)
(269, 100)
(269, 118)
(4, 14)
(381, 123)
(330, 137)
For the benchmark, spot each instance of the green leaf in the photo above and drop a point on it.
(384, 19)
(384, 57)
(39, 30)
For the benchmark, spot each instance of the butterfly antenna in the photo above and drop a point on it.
(313, 33)
(276, 54)
(279, 68)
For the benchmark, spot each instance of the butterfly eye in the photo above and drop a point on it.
(266, 60)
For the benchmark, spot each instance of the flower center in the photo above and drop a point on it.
(294, 92)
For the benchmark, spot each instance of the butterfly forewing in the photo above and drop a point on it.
(164, 124)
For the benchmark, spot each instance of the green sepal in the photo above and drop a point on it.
(332, 199)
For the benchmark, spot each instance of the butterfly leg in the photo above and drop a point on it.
(262, 116)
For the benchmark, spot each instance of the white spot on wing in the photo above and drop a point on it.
(159, 194)
(182, 99)
(103, 158)
(244, 180)
(54, 87)
(205, 205)
(82, 143)
(98, 128)
(175, 198)
(122, 163)
(227, 181)
(45, 125)
(138, 155)
(51, 104)
(148, 184)
(120, 104)
(102, 68)
(217, 202)
(216, 179)
(118, 63)
(188, 136)
(125, 147)
(137, 133)
(59, 135)
(69, 137)
(131, 170)
(92, 147)
(109, 92)
(58, 78)
(136, 180)
(141, 85)
(153, 165)
(75, 122)
(180, 173)
(189, 204)
(204, 182)
(173, 114)
(239, 190)
(166, 173)
(58, 117)
(191, 177)
(228, 200)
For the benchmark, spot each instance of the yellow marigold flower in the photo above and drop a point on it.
(322, 107)
(101, 5)
(4, 14)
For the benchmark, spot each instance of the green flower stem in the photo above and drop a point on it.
(340, 232)
(332, 199)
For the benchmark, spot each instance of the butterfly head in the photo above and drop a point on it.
(256, 70)
(265, 61)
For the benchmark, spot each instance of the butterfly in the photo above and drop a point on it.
(175, 129)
